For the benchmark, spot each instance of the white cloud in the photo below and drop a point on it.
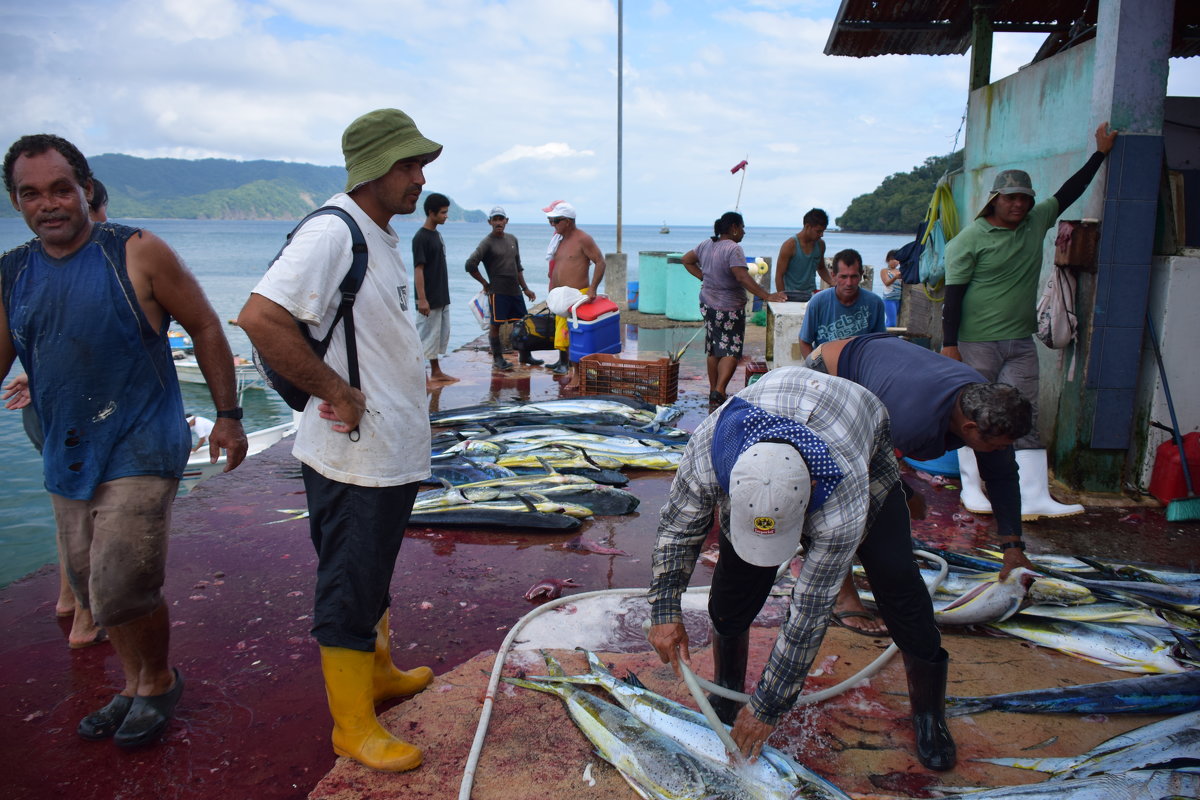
(523, 152)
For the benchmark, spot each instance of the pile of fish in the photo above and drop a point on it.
(667, 751)
(1131, 618)
(545, 465)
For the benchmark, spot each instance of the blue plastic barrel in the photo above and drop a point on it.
(652, 282)
(683, 291)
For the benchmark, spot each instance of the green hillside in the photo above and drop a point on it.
(216, 188)
(899, 203)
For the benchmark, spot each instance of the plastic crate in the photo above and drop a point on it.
(754, 370)
(650, 381)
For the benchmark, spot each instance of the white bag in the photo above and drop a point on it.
(481, 310)
(1056, 318)
(562, 299)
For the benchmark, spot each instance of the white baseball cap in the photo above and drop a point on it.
(497, 211)
(561, 208)
(769, 490)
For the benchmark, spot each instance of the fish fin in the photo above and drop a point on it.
(492, 429)
(445, 483)
(525, 499)
(552, 666)
(550, 470)
(633, 680)
(1189, 647)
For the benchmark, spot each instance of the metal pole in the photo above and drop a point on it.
(620, 106)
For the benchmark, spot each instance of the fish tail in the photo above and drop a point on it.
(554, 668)
(961, 706)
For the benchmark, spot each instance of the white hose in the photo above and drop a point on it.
(694, 682)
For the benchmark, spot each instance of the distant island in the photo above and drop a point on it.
(899, 203)
(219, 188)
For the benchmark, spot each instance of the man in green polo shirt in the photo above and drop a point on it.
(993, 271)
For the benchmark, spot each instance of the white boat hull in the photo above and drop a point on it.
(198, 466)
(188, 370)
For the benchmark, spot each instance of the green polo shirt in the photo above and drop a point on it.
(1003, 268)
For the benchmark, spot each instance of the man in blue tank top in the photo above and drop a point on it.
(86, 308)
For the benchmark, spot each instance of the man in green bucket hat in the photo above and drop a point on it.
(363, 451)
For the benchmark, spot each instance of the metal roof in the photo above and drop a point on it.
(943, 27)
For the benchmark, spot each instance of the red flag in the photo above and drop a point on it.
(740, 165)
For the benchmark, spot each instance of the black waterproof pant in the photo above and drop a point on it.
(357, 532)
(739, 589)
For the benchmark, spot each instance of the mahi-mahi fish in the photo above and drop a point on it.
(1121, 647)
(656, 765)
(1179, 748)
(989, 602)
(1173, 693)
(690, 729)
(1136, 785)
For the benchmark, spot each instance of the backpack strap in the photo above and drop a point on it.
(349, 286)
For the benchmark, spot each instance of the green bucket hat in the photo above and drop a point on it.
(1010, 181)
(377, 140)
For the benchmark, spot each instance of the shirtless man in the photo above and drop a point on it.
(574, 254)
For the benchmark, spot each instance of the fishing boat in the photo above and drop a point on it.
(198, 465)
(248, 377)
(664, 228)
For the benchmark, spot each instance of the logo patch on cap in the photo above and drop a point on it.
(764, 526)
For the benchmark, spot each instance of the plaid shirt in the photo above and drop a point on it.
(854, 423)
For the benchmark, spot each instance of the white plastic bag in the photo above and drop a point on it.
(481, 310)
(563, 299)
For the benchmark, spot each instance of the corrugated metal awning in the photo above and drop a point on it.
(943, 27)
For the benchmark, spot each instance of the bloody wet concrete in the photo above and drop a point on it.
(253, 721)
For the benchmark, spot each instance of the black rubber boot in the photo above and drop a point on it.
(729, 670)
(528, 360)
(563, 364)
(927, 694)
(498, 361)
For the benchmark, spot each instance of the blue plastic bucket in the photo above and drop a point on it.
(945, 464)
(632, 295)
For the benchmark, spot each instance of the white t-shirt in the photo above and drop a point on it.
(394, 445)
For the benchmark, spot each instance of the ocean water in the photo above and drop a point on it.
(228, 257)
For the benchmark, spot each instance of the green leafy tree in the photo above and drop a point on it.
(899, 203)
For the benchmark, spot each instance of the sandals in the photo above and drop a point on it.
(148, 716)
(104, 722)
(838, 618)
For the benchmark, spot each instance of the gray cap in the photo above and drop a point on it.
(497, 211)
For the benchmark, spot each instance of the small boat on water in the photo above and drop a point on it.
(248, 377)
(198, 466)
(664, 228)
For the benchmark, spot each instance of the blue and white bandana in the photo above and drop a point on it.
(742, 425)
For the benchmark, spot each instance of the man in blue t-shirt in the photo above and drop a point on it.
(936, 405)
(844, 312)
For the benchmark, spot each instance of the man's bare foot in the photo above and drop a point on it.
(84, 631)
(441, 377)
(850, 613)
(65, 605)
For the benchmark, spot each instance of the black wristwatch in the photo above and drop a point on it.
(1009, 545)
(232, 413)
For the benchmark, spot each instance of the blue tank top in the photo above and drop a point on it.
(802, 268)
(102, 380)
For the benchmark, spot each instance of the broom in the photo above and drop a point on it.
(1184, 509)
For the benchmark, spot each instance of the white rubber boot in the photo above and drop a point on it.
(1035, 488)
(972, 496)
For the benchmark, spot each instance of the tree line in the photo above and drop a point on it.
(217, 188)
(899, 203)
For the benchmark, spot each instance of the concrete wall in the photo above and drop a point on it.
(1175, 283)
(1036, 120)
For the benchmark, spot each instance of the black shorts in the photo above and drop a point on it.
(507, 308)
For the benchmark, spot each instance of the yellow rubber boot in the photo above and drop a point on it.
(388, 679)
(357, 733)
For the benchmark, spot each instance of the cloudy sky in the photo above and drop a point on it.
(522, 93)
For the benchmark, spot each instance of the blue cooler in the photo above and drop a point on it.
(595, 328)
